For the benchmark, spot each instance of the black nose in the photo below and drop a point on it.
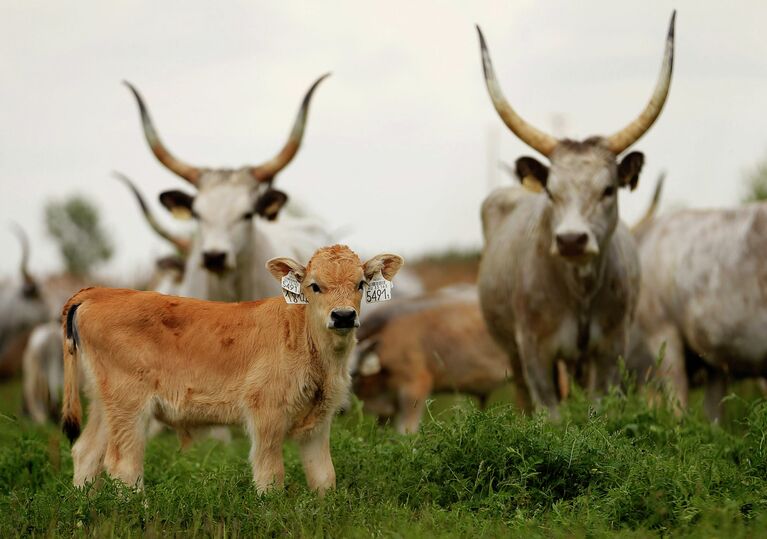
(344, 318)
(214, 260)
(572, 243)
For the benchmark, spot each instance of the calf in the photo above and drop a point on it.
(279, 369)
(559, 275)
(429, 345)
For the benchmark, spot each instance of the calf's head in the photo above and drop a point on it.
(583, 177)
(333, 282)
(227, 200)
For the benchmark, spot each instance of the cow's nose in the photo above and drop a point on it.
(214, 260)
(572, 243)
(344, 318)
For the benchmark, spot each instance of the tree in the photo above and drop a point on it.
(756, 182)
(75, 226)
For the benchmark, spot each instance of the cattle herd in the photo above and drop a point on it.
(255, 320)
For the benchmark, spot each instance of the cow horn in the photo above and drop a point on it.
(533, 137)
(181, 244)
(24, 266)
(632, 132)
(188, 172)
(268, 170)
(652, 209)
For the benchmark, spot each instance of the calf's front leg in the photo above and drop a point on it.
(267, 435)
(315, 456)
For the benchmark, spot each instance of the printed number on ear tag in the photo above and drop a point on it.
(378, 289)
(291, 290)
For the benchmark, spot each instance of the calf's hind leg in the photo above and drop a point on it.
(88, 451)
(124, 459)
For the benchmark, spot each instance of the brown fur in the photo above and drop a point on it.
(444, 347)
(281, 372)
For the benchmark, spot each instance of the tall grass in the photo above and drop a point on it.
(618, 465)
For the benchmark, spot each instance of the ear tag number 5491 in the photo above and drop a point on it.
(378, 289)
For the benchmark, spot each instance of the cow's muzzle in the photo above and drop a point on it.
(214, 261)
(572, 244)
(344, 319)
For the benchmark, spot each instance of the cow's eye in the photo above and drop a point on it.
(608, 192)
(315, 288)
(361, 285)
(248, 216)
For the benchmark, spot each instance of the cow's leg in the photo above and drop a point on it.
(411, 399)
(124, 459)
(89, 449)
(267, 434)
(521, 392)
(538, 370)
(315, 456)
(716, 387)
(672, 370)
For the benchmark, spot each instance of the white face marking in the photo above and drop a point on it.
(578, 185)
(221, 207)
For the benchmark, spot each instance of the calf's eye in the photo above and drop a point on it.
(361, 285)
(315, 288)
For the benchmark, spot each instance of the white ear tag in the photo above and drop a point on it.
(378, 289)
(291, 290)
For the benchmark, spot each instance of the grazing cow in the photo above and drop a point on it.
(433, 344)
(22, 307)
(559, 274)
(279, 369)
(235, 210)
(704, 295)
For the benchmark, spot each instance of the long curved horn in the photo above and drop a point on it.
(24, 241)
(633, 131)
(181, 244)
(533, 137)
(652, 209)
(188, 172)
(268, 170)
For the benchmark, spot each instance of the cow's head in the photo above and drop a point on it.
(333, 282)
(227, 200)
(583, 177)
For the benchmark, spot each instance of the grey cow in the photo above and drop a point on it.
(559, 276)
(704, 294)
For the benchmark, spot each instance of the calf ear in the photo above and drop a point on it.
(270, 203)
(532, 174)
(629, 169)
(387, 264)
(178, 203)
(280, 267)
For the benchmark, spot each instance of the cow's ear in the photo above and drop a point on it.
(387, 264)
(178, 203)
(532, 174)
(629, 169)
(280, 267)
(270, 203)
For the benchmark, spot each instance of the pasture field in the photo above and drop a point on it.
(615, 467)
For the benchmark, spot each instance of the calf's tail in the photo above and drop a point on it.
(71, 411)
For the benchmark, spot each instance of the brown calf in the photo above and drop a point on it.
(278, 369)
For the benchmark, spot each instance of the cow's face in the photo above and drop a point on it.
(333, 282)
(224, 208)
(582, 189)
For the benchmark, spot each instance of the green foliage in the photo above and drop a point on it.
(75, 226)
(756, 183)
(618, 466)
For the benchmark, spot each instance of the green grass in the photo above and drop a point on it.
(616, 467)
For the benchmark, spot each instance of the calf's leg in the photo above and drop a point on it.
(412, 403)
(89, 449)
(315, 457)
(267, 435)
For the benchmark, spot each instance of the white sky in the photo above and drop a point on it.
(398, 138)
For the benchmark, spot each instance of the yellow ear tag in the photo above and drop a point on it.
(530, 183)
(182, 213)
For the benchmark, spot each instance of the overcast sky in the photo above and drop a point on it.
(401, 140)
